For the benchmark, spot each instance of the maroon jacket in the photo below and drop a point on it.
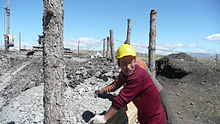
(140, 89)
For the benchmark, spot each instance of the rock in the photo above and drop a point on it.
(178, 94)
(74, 120)
(192, 103)
(81, 90)
(92, 83)
(97, 74)
(97, 55)
(29, 85)
(179, 113)
(11, 122)
(103, 77)
(74, 83)
(78, 72)
(202, 83)
(89, 88)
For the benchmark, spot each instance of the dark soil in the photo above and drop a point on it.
(193, 88)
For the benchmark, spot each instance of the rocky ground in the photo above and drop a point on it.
(192, 86)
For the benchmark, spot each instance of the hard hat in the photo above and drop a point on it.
(125, 50)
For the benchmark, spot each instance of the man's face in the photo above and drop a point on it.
(127, 64)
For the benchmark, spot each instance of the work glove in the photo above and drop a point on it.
(98, 119)
(99, 92)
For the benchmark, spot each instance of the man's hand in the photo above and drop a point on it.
(98, 119)
(99, 92)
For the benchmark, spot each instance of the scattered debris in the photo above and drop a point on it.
(97, 55)
(30, 53)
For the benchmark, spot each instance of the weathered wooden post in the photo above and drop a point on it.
(152, 42)
(20, 41)
(112, 46)
(151, 65)
(128, 40)
(53, 65)
(217, 61)
(104, 46)
(108, 48)
(78, 47)
(8, 38)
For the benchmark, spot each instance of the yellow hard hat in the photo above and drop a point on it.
(125, 50)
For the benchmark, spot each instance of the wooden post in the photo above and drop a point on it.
(104, 46)
(8, 17)
(19, 41)
(128, 40)
(108, 48)
(6, 37)
(78, 47)
(40, 40)
(53, 63)
(112, 46)
(152, 43)
(217, 62)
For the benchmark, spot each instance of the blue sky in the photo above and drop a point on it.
(182, 25)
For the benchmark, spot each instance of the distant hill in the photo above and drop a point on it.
(204, 55)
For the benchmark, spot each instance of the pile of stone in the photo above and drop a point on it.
(22, 97)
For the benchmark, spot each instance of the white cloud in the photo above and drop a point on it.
(215, 37)
(168, 48)
(84, 43)
(193, 45)
(177, 46)
(207, 51)
(25, 45)
(140, 48)
(172, 46)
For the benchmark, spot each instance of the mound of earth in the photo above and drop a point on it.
(175, 65)
(193, 88)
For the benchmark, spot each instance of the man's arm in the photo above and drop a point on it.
(116, 84)
(111, 112)
(102, 119)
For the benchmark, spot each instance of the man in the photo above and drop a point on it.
(138, 88)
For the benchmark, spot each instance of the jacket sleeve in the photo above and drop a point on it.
(116, 84)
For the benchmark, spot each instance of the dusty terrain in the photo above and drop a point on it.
(192, 87)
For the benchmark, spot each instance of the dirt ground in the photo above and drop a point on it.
(192, 87)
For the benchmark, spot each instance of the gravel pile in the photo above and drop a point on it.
(23, 103)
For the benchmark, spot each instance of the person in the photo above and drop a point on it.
(138, 88)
